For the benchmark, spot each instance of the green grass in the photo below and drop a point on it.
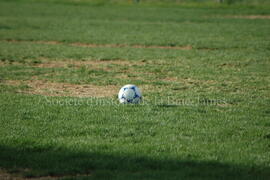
(205, 113)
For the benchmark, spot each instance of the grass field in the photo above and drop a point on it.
(203, 70)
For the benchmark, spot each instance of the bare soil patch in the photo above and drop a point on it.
(188, 47)
(131, 46)
(47, 63)
(2, 63)
(37, 42)
(62, 63)
(251, 17)
(64, 89)
(4, 175)
(6, 63)
(79, 44)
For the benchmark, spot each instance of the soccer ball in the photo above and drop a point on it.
(130, 94)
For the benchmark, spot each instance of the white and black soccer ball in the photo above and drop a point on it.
(130, 94)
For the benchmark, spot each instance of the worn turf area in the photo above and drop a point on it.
(203, 70)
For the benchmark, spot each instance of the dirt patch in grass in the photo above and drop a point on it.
(79, 44)
(64, 89)
(63, 63)
(37, 42)
(6, 63)
(188, 47)
(4, 175)
(121, 66)
(2, 63)
(47, 63)
(131, 46)
(251, 17)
